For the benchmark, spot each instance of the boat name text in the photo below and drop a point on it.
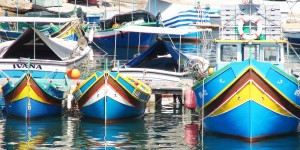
(32, 66)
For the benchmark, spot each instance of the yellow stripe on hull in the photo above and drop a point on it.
(69, 33)
(28, 92)
(250, 91)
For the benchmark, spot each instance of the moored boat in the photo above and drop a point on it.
(30, 98)
(162, 61)
(34, 70)
(111, 97)
(105, 34)
(250, 95)
(186, 19)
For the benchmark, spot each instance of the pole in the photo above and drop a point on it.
(179, 54)
(17, 14)
(202, 115)
(132, 5)
(155, 8)
(115, 50)
(105, 11)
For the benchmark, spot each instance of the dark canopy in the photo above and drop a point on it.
(130, 16)
(42, 48)
(155, 57)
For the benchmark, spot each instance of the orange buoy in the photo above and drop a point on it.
(0, 89)
(116, 25)
(190, 100)
(136, 83)
(210, 71)
(75, 74)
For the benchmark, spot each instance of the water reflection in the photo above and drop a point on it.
(191, 134)
(163, 127)
(212, 142)
(129, 134)
(21, 134)
(166, 127)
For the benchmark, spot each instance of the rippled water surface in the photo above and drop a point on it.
(162, 127)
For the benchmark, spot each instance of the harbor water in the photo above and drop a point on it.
(166, 126)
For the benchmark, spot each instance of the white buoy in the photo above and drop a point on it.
(91, 35)
(69, 102)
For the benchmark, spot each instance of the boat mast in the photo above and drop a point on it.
(87, 7)
(105, 11)
(17, 14)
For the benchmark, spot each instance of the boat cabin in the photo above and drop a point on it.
(250, 31)
(241, 50)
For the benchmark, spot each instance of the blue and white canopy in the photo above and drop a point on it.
(187, 18)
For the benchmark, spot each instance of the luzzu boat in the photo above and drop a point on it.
(250, 96)
(109, 96)
(34, 71)
(31, 98)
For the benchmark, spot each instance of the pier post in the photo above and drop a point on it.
(158, 99)
(179, 97)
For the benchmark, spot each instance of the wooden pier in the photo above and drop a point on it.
(175, 88)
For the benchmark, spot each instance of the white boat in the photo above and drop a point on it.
(162, 61)
(47, 56)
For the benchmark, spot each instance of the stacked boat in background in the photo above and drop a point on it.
(68, 28)
(186, 19)
(105, 35)
(252, 94)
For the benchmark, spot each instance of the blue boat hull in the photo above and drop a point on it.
(114, 110)
(29, 98)
(21, 109)
(124, 39)
(111, 97)
(251, 121)
(250, 100)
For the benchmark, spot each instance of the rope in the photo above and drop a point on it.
(4, 73)
(290, 45)
(168, 34)
(48, 75)
(202, 116)
(28, 98)
(105, 102)
(99, 47)
(28, 131)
